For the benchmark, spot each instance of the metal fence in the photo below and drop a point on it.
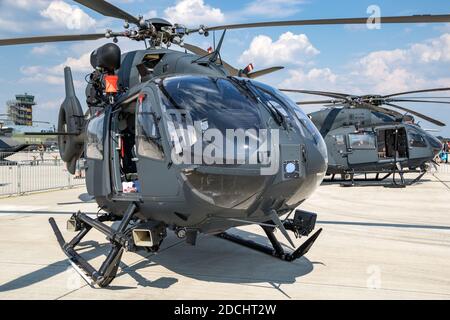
(443, 168)
(26, 172)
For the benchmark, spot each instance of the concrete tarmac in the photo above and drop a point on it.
(377, 243)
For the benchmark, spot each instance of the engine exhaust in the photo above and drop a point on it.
(149, 235)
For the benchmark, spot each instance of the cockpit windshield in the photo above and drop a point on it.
(217, 103)
(197, 104)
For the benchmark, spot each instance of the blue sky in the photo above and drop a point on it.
(349, 59)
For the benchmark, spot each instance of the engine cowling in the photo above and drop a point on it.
(106, 57)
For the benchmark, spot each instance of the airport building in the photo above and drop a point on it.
(20, 111)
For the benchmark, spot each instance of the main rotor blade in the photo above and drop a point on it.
(42, 39)
(380, 109)
(263, 72)
(109, 10)
(194, 49)
(434, 121)
(301, 103)
(417, 91)
(416, 100)
(201, 52)
(426, 98)
(344, 21)
(318, 93)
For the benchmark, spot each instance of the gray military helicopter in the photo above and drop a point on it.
(8, 146)
(366, 138)
(13, 138)
(150, 110)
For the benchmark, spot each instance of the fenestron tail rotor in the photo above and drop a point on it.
(375, 102)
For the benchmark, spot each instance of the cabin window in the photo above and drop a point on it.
(94, 146)
(363, 140)
(416, 140)
(148, 134)
(340, 139)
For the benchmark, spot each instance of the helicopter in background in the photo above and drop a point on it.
(366, 137)
(151, 109)
(14, 138)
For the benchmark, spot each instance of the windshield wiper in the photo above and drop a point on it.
(255, 94)
(281, 118)
(242, 85)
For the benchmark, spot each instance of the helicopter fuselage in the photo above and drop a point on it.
(140, 138)
(363, 140)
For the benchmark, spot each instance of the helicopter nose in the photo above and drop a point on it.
(435, 144)
(315, 155)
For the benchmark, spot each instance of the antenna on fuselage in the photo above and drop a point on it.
(216, 53)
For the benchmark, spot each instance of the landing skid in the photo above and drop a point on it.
(108, 270)
(398, 180)
(277, 250)
(302, 225)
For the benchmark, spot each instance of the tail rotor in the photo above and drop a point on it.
(71, 124)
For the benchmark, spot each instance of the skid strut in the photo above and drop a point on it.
(277, 249)
(367, 182)
(108, 270)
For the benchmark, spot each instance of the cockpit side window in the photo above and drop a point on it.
(362, 140)
(416, 140)
(148, 138)
(94, 146)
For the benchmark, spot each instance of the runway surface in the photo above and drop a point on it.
(377, 243)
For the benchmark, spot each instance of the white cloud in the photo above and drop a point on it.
(194, 12)
(272, 8)
(382, 62)
(5, 24)
(51, 104)
(81, 64)
(434, 50)
(38, 74)
(418, 66)
(26, 4)
(72, 17)
(151, 14)
(44, 49)
(315, 78)
(54, 75)
(288, 49)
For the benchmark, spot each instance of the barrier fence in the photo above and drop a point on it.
(26, 172)
(443, 168)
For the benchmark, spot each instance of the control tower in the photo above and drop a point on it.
(20, 111)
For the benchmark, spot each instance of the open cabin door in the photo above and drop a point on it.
(156, 176)
(96, 152)
(392, 144)
(362, 148)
